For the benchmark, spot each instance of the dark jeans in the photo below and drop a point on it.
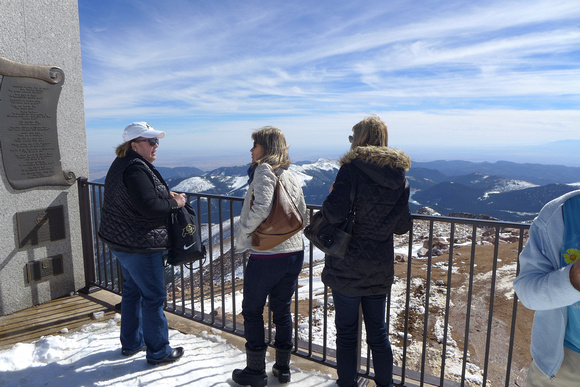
(276, 277)
(346, 319)
(142, 318)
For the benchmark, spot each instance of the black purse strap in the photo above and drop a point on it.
(352, 190)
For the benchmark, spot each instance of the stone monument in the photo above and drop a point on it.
(42, 152)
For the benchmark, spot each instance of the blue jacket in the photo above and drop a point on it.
(544, 285)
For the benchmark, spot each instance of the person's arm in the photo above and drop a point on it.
(541, 283)
(301, 206)
(144, 195)
(405, 220)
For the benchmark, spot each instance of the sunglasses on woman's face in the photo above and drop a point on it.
(151, 141)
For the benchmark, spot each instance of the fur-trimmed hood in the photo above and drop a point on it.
(379, 155)
(385, 166)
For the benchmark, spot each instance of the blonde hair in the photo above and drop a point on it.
(123, 149)
(275, 149)
(370, 131)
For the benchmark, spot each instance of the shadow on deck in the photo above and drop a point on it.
(74, 312)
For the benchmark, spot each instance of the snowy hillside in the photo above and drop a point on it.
(315, 178)
(509, 185)
(487, 193)
(194, 184)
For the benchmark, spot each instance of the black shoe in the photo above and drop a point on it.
(175, 355)
(126, 352)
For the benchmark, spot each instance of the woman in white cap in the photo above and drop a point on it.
(134, 222)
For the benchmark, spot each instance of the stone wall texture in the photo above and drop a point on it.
(44, 32)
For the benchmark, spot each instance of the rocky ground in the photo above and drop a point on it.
(455, 277)
(477, 274)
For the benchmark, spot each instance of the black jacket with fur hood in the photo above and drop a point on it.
(381, 209)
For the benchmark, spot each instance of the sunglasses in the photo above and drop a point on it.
(350, 138)
(151, 141)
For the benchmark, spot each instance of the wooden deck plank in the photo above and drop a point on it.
(29, 325)
(52, 314)
(50, 318)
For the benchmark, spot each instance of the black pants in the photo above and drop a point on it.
(276, 277)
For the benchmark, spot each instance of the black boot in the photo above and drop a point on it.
(254, 374)
(282, 367)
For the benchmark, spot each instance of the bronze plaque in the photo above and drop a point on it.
(41, 226)
(45, 268)
(28, 132)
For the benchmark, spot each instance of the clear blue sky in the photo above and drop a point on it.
(483, 80)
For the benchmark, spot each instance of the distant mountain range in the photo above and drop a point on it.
(503, 190)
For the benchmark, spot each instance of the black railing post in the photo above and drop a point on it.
(359, 342)
(416, 333)
(86, 234)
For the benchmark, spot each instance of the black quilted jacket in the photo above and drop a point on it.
(381, 209)
(136, 207)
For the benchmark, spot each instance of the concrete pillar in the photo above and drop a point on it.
(44, 32)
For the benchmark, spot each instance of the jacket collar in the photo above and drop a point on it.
(379, 155)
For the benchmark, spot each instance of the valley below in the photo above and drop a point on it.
(463, 281)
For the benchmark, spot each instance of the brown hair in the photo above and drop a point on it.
(275, 149)
(370, 131)
(123, 149)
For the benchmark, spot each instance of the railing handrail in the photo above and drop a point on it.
(221, 255)
(450, 219)
(472, 221)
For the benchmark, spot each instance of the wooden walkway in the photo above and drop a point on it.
(52, 317)
(74, 312)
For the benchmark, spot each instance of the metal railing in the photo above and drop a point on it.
(451, 312)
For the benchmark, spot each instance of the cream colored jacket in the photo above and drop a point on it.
(262, 187)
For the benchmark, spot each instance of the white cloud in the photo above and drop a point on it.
(222, 69)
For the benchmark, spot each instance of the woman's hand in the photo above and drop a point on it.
(575, 276)
(180, 198)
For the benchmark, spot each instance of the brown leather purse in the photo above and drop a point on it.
(283, 222)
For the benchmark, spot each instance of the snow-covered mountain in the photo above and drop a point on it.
(497, 191)
(492, 196)
(315, 177)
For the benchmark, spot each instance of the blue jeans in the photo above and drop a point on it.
(346, 320)
(142, 319)
(276, 277)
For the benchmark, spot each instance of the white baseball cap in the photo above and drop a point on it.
(141, 129)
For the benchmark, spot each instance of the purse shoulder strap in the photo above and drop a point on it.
(352, 187)
(278, 173)
(279, 183)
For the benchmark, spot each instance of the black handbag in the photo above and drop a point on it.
(332, 239)
(185, 235)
